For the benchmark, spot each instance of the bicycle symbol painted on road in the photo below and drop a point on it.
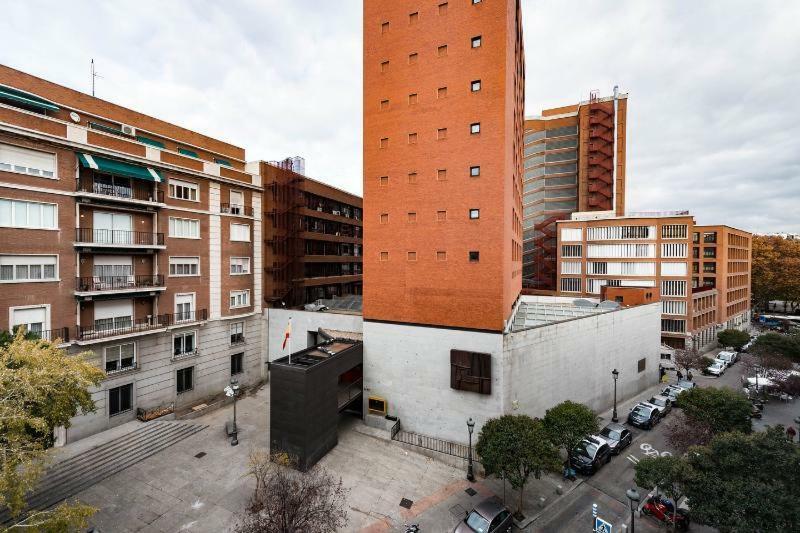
(649, 451)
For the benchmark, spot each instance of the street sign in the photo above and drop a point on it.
(601, 526)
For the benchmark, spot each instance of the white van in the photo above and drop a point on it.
(728, 357)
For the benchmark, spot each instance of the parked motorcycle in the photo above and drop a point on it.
(663, 510)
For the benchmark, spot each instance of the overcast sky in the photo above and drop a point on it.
(714, 113)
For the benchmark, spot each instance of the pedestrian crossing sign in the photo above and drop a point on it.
(601, 526)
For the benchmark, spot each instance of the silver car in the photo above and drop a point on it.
(489, 516)
(663, 402)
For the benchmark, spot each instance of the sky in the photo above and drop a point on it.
(713, 112)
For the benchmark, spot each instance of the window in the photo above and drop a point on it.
(441, 256)
(673, 307)
(443, 8)
(384, 142)
(384, 66)
(237, 363)
(237, 333)
(412, 216)
(441, 133)
(413, 17)
(442, 50)
(471, 371)
(641, 365)
(476, 2)
(26, 161)
(412, 58)
(571, 234)
(384, 181)
(474, 214)
(441, 174)
(184, 228)
(384, 256)
(15, 268)
(674, 249)
(113, 314)
(673, 269)
(33, 319)
(475, 85)
(441, 216)
(570, 267)
(571, 250)
(240, 299)
(240, 232)
(674, 231)
(183, 190)
(412, 138)
(474, 257)
(240, 265)
(672, 325)
(476, 41)
(120, 399)
(120, 357)
(384, 218)
(474, 128)
(412, 256)
(475, 171)
(184, 307)
(22, 214)
(184, 266)
(184, 343)
(384, 27)
(620, 232)
(412, 98)
(673, 288)
(384, 105)
(190, 153)
(412, 177)
(441, 92)
(237, 202)
(184, 379)
(570, 284)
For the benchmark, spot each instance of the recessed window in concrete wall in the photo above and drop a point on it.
(642, 365)
(475, 127)
(471, 371)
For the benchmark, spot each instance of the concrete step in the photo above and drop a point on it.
(65, 479)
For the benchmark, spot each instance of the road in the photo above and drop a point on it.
(607, 487)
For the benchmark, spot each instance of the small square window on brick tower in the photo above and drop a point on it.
(476, 41)
(412, 256)
(385, 142)
(441, 174)
(412, 58)
(413, 18)
(474, 257)
(412, 99)
(442, 50)
(384, 27)
(441, 133)
(412, 177)
(384, 181)
(441, 92)
(441, 255)
(441, 216)
(384, 65)
(474, 171)
(384, 105)
(443, 8)
(384, 218)
(475, 85)
(384, 256)
(412, 216)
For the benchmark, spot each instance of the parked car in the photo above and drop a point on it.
(672, 392)
(489, 516)
(590, 454)
(717, 368)
(728, 357)
(723, 362)
(686, 384)
(617, 436)
(663, 403)
(644, 415)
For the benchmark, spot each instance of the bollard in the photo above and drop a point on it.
(559, 489)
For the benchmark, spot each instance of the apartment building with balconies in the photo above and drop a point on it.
(132, 239)
(313, 238)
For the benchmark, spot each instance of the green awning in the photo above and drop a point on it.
(151, 142)
(222, 162)
(118, 168)
(21, 97)
(190, 153)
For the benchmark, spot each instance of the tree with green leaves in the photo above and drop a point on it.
(733, 337)
(41, 388)
(777, 344)
(668, 474)
(568, 423)
(720, 409)
(514, 447)
(742, 483)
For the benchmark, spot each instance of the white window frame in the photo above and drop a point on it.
(5, 261)
(17, 169)
(121, 368)
(46, 307)
(192, 308)
(231, 333)
(181, 261)
(13, 221)
(172, 228)
(184, 334)
(188, 185)
(245, 264)
(239, 240)
(235, 207)
(236, 296)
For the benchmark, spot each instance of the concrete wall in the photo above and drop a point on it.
(154, 381)
(573, 360)
(275, 321)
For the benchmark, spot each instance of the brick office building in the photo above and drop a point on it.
(574, 161)
(131, 238)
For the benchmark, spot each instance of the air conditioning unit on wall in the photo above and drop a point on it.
(128, 130)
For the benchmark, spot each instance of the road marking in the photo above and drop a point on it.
(633, 459)
(652, 452)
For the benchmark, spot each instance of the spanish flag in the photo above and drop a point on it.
(287, 334)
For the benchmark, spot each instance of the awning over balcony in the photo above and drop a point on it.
(118, 168)
(30, 100)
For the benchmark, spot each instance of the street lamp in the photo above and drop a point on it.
(633, 496)
(615, 373)
(470, 429)
(233, 390)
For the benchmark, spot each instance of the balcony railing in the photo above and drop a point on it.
(85, 333)
(49, 335)
(119, 191)
(234, 209)
(119, 237)
(116, 283)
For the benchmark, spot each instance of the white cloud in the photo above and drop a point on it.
(712, 110)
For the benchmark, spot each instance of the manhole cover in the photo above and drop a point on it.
(405, 502)
(471, 491)
(200, 455)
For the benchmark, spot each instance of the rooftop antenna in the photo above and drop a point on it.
(95, 75)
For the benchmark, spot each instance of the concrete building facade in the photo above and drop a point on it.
(574, 161)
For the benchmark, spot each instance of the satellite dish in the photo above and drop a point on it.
(583, 302)
(74, 116)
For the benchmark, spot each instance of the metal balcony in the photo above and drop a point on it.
(108, 238)
(142, 325)
(233, 209)
(133, 192)
(124, 284)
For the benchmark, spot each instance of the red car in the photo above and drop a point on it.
(662, 510)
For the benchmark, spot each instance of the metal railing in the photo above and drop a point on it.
(115, 283)
(141, 325)
(118, 237)
(234, 209)
(119, 191)
(430, 443)
(49, 335)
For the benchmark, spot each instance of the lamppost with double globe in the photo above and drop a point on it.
(615, 374)
(470, 429)
(633, 497)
